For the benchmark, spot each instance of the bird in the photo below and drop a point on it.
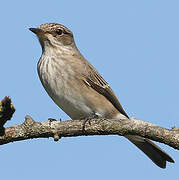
(78, 88)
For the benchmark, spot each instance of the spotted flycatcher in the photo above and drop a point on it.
(77, 87)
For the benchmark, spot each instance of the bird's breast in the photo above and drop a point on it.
(61, 82)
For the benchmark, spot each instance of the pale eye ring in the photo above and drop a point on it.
(59, 31)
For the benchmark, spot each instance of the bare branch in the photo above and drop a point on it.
(57, 129)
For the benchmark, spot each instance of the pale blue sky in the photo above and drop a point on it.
(133, 44)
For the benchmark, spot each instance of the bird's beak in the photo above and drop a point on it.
(37, 31)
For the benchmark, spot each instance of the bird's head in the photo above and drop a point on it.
(53, 34)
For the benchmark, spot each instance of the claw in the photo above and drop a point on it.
(88, 119)
(51, 119)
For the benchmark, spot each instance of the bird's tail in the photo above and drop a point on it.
(155, 153)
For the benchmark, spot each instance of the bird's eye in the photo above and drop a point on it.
(59, 31)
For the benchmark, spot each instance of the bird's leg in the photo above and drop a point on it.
(87, 119)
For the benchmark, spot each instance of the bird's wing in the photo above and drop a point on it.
(95, 80)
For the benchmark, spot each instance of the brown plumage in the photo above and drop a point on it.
(77, 87)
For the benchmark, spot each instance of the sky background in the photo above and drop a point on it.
(133, 44)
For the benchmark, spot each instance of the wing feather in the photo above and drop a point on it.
(95, 80)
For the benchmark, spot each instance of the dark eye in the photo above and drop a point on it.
(59, 31)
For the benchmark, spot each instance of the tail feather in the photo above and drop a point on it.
(155, 153)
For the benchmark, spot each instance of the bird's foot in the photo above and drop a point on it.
(88, 119)
(52, 119)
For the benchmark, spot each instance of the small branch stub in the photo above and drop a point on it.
(56, 137)
(6, 111)
(28, 121)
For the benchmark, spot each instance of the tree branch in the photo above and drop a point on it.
(57, 129)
